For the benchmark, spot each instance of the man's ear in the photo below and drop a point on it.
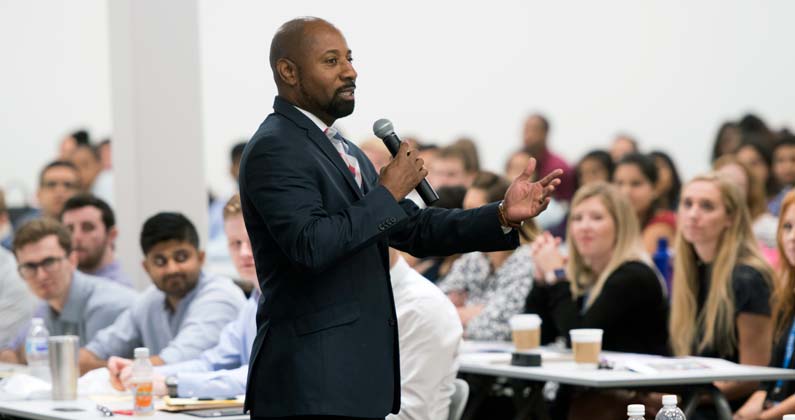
(288, 71)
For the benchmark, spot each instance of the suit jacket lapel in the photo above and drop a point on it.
(319, 139)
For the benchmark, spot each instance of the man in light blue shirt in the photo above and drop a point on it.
(179, 316)
(92, 224)
(222, 370)
(70, 302)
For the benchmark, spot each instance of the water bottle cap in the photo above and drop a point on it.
(37, 321)
(636, 410)
(141, 352)
(670, 400)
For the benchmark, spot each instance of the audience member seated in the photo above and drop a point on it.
(755, 154)
(435, 268)
(763, 224)
(92, 225)
(535, 139)
(222, 370)
(783, 170)
(58, 182)
(429, 334)
(623, 145)
(71, 302)
(516, 164)
(727, 141)
(451, 167)
(105, 155)
(70, 142)
(774, 399)
(182, 314)
(595, 166)
(607, 281)
(16, 302)
(488, 288)
(669, 185)
(216, 221)
(636, 177)
(720, 303)
(93, 179)
(471, 149)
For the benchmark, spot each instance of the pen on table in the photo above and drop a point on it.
(216, 399)
(107, 412)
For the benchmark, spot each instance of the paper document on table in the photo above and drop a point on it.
(187, 404)
(656, 364)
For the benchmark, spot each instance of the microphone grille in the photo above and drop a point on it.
(383, 128)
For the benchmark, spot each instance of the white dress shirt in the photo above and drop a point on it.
(429, 333)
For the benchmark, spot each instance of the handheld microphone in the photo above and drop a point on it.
(384, 130)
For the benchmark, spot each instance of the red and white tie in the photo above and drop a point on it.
(342, 148)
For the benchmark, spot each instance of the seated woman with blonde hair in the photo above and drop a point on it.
(720, 303)
(777, 398)
(608, 281)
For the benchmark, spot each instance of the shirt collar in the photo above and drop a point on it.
(320, 124)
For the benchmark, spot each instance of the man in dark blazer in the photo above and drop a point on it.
(320, 220)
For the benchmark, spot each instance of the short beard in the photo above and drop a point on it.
(337, 108)
(91, 262)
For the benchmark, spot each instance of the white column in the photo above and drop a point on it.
(157, 123)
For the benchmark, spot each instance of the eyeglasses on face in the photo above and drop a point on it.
(49, 265)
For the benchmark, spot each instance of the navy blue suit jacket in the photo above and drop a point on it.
(327, 340)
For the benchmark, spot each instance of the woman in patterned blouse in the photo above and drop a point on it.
(489, 288)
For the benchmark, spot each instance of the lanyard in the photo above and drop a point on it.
(787, 356)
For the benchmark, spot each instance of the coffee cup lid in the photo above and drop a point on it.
(586, 335)
(524, 321)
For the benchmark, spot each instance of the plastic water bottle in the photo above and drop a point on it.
(143, 404)
(670, 411)
(36, 349)
(662, 259)
(636, 411)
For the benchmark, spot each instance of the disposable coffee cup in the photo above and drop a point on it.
(526, 331)
(587, 344)
(63, 350)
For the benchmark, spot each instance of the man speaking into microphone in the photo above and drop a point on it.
(320, 221)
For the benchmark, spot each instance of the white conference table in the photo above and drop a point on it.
(630, 370)
(50, 410)
(80, 409)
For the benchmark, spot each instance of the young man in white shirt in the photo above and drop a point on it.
(429, 336)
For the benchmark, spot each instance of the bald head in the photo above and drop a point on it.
(312, 67)
(290, 40)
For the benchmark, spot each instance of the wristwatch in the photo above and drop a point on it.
(554, 276)
(171, 385)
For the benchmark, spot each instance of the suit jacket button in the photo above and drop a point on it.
(392, 322)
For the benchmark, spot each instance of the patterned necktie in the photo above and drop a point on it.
(342, 148)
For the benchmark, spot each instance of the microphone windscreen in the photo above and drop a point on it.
(383, 128)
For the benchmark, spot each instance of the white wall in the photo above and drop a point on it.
(667, 72)
(54, 77)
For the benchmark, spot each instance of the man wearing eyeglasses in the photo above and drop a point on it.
(73, 303)
(58, 181)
